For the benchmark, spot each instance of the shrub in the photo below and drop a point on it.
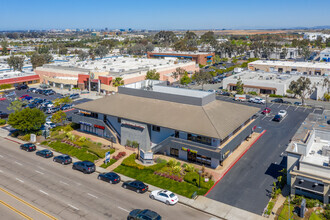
(275, 96)
(135, 144)
(171, 163)
(82, 139)
(253, 93)
(26, 137)
(160, 160)
(128, 143)
(3, 121)
(130, 162)
(189, 168)
(310, 203)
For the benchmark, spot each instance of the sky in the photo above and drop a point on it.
(162, 14)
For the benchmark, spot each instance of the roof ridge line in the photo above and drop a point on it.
(211, 122)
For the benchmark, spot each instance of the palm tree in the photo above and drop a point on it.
(118, 82)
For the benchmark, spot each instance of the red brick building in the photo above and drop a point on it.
(198, 57)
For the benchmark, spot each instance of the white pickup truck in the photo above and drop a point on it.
(257, 100)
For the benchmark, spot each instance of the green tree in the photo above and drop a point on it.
(4, 45)
(185, 80)
(61, 101)
(165, 37)
(16, 62)
(179, 72)
(118, 82)
(305, 52)
(63, 51)
(16, 105)
(301, 87)
(40, 59)
(239, 87)
(82, 55)
(152, 74)
(202, 77)
(27, 120)
(208, 38)
(58, 117)
(101, 51)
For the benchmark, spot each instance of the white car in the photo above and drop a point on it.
(164, 196)
(50, 125)
(49, 118)
(282, 113)
(258, 100)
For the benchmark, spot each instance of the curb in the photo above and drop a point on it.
(232, 164)
(12, 140)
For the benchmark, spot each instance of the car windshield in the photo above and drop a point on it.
(66, 157)
(89, 165)
(172, 195)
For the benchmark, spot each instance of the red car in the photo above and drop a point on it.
(266, 111)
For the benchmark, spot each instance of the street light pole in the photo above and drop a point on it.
(199, 172)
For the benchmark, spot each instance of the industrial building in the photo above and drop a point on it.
(198, 57)
(306, 68)
(272, 83)
(325, 55)
(188, 124)
(98, 75)
(308, 159)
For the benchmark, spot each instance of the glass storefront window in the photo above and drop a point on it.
(174, 152)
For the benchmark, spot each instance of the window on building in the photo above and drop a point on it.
(156, 128)
(29, 82)
(94, 115)
(119, 120)
(174, 152)
(199, 139)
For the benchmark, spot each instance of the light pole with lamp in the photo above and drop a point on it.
(200, 173)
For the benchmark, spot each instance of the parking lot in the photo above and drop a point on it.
(249, 183)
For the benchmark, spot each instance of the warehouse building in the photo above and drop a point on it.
(308, 159)
(98, 75)
(198, 57)
(305, 68)
(188, 124)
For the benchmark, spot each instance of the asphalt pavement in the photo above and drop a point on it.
(64, 193)
(249, 183)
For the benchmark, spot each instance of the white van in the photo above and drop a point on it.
(241, 98)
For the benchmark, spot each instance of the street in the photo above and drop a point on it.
(63, 193)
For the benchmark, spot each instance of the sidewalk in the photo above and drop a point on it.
(280, 201)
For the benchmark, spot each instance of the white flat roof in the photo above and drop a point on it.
(319, 65)
(12, 74)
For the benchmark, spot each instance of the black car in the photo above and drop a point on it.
(66, 107)
(109, 177)
(277, 118)
(74, 96)
(63, 159)
(328, 122)
(48, 93)
(143, 214)
(28, 147)
(3, 115)
(44, 153)
(31, 105)
(20, 87)
(39, 91)
(287, 102)
(136, 186)
(277, 100)
(84, 166)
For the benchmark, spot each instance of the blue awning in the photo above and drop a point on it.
(159, 55)
(209, 56)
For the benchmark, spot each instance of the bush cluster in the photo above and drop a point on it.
(275, 96)
(3, 121)
(119, 155)
(172, 177)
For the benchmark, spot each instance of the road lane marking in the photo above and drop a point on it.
(28, 204)
(43, 192)
(18, 163)
(20, 180)
(15, 210)
(123, 209)
(92, 195)
(64, 183)
(73, 207)
(37, 171)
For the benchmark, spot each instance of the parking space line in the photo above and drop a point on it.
(304, 109)
(288, 107)
(92, 195)
(271, 105)
(39, 172)
(20, 180)
(314, 110)
(123, 209)
(43, 192)
(18, 163)
(296, 108)
(73, 207)
(279, 105)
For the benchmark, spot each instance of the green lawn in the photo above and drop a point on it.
(112, 161)
(314, 216)
(147, 176)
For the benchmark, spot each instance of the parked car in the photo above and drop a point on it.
(297, 103)
(282, 113)
(257, 100)
(84, 166)
(287, 102)
(3, 115)
(31, 90)
(39, 91)
(44, 86)
(49, 124)
(136, 186)
(25, 97)
(66, 107)
(63, 159)
(74, 96)
(20, 87)
(277, 118)
(110, 177)
(52, 110)
(277, 100)
(48, 104)
(44, 153)
(49, 92)
(49, 118)
(266, 111)
(31, 105)
(143, 214)
(28, 147)
(164, 196)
